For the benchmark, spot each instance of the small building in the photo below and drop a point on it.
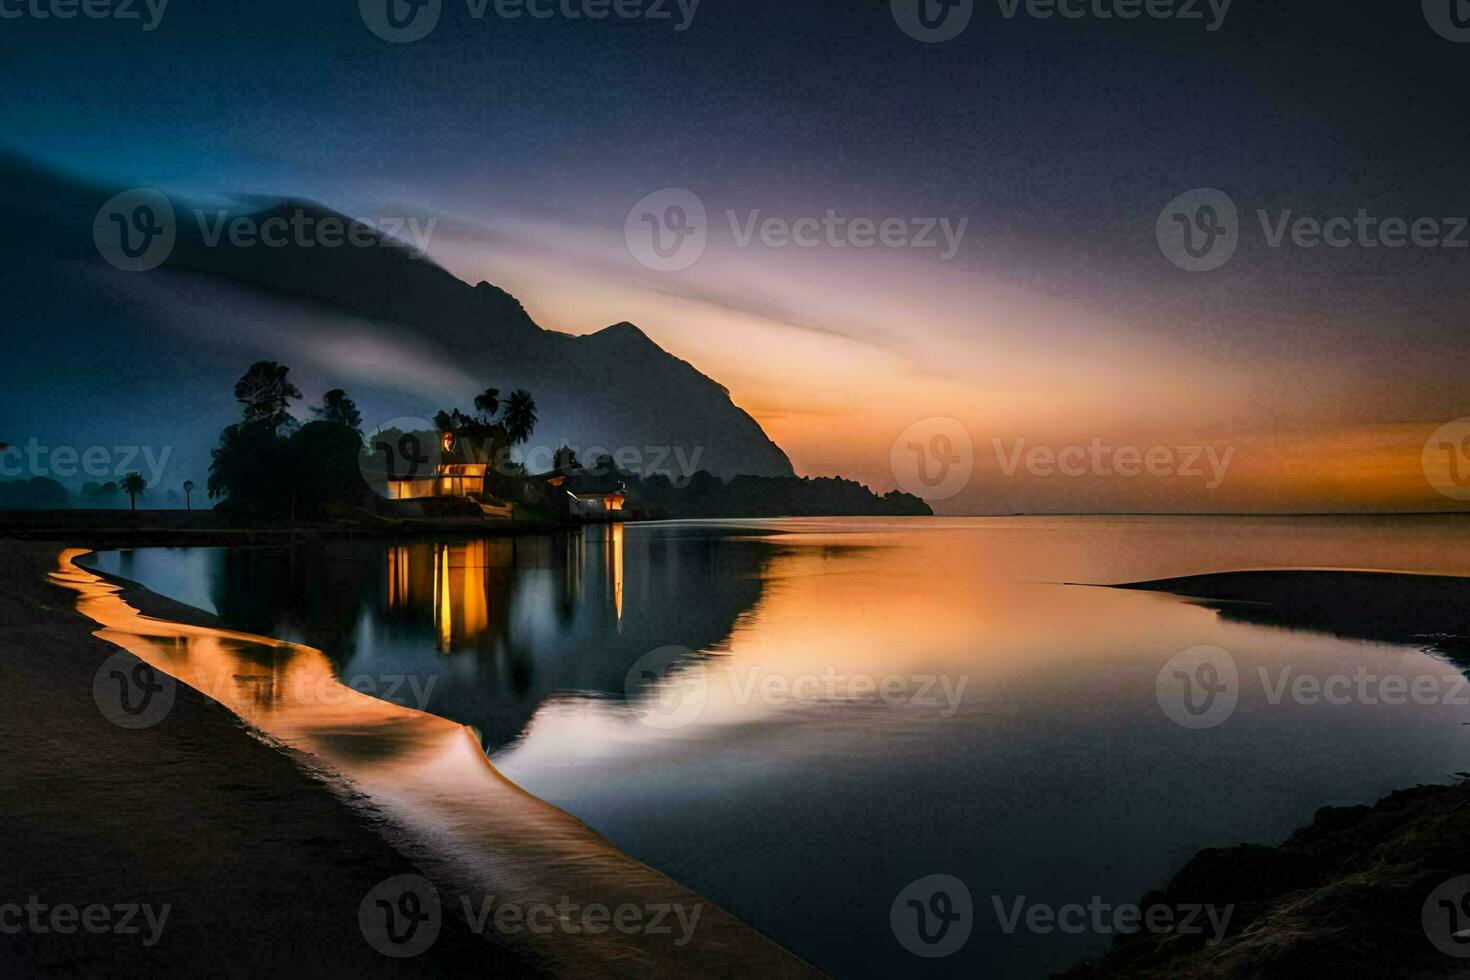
(454, 476)
(457, 474)
(596, 504)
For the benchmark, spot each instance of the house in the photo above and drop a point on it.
(460, 472)
(454, 475)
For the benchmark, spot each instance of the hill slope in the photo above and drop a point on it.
(611, 390)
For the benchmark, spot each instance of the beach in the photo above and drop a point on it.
(262, 866)
(262, 855)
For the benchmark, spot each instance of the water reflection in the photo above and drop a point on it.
(475, 834)
(1057, 777)
(615, 555)
(497, 627)
(466, 586)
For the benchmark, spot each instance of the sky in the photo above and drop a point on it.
(1027, 297)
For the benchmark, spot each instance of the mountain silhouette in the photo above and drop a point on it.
(612, 390)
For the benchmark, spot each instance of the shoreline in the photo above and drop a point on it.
(1343, 896)
(1348, 894)
(261, 864)
(303, 811)
(102, 529)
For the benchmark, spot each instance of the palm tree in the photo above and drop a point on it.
(188, 494)
(487, 403)
(520, 416)
(134, 484)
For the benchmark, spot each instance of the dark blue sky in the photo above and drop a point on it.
(1028, 116)
(1052, 134)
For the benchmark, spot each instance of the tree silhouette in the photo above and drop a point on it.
(337, 407)
(270, 466)
(99, 494)
(321, 466)
(487, 403)
(246, 466)
(188, 494)
(134, 484)
(520, 416)
(266, 392)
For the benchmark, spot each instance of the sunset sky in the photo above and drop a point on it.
(1058, 320)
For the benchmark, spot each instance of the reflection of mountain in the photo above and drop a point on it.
(1384, 606)
(405, 336)
(498, 626)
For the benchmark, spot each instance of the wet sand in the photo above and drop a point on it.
(265, 865)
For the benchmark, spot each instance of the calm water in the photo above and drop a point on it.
(1015, 739)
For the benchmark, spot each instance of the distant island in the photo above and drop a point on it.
(706, 495)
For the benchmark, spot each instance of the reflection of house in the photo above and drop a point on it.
(466, 586)
(465, 589)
